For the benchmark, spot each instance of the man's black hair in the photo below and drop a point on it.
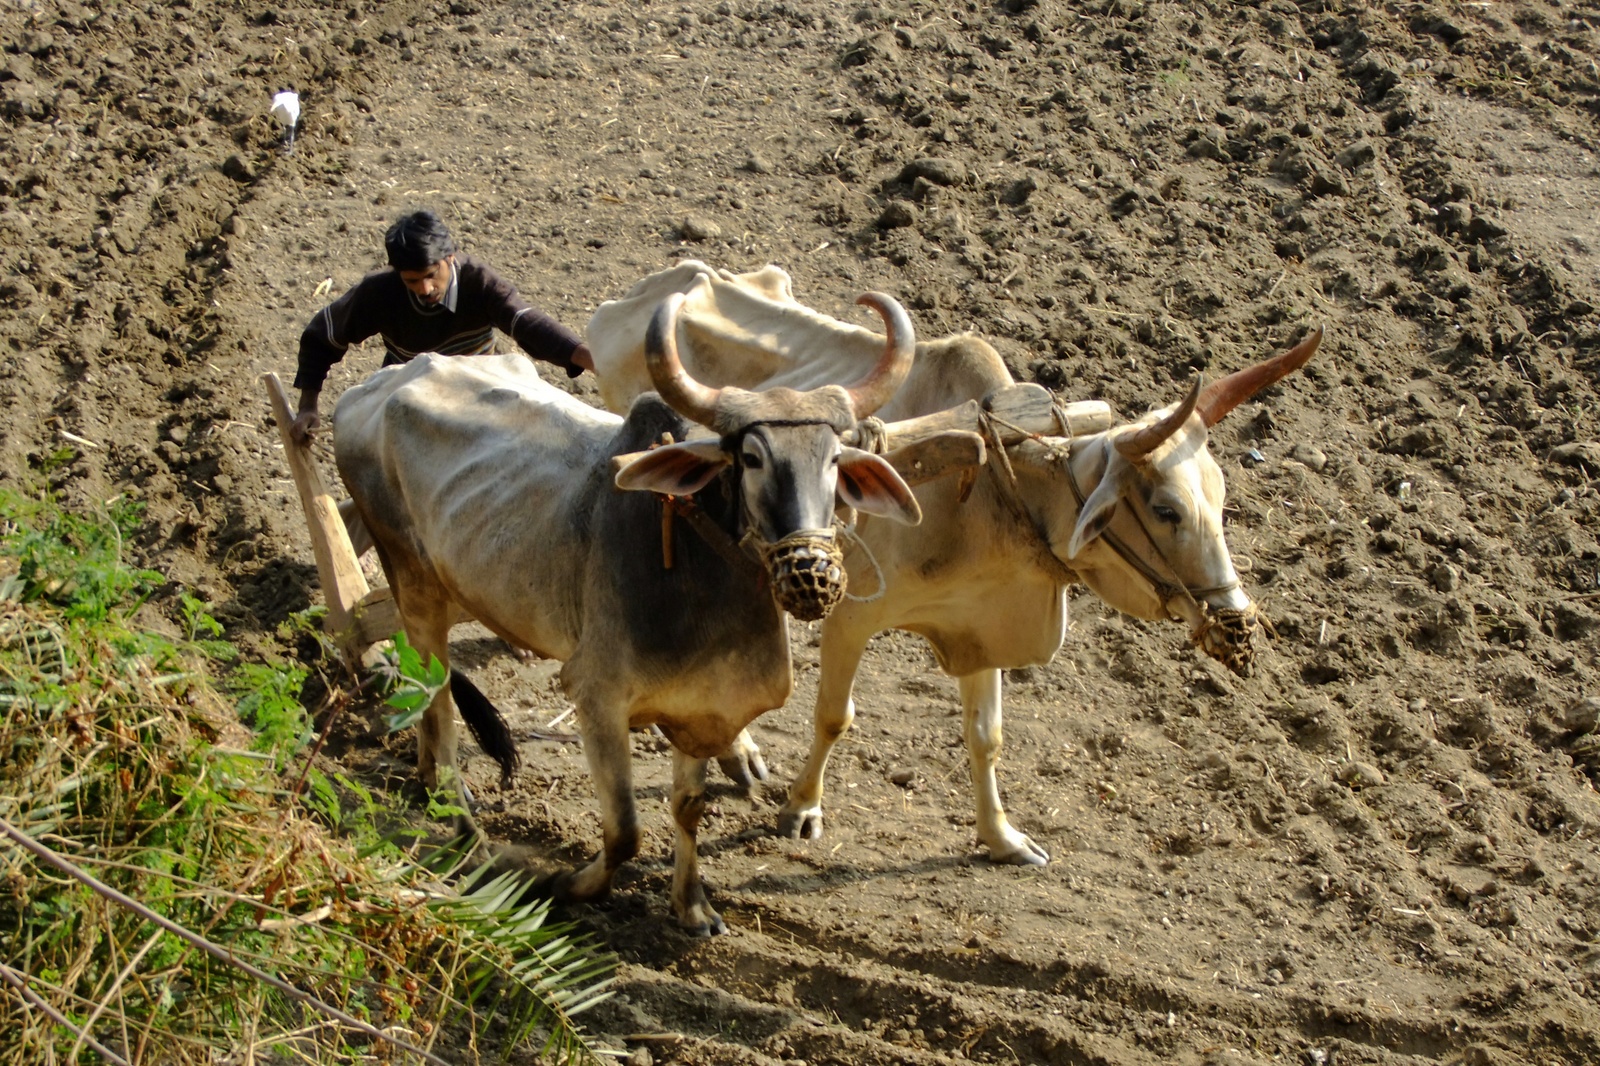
(417, 241)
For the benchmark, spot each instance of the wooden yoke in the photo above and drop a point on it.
(358, 617)
(1021, 412)
(930, 446)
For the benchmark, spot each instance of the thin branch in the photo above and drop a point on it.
(14, 979)
(378, 906)
(340, 702)
(215, 950)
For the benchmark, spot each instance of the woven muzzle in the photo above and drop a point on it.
(807, 572)
(1227, 634)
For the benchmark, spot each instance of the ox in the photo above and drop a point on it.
(1134, 512)
(490, 494)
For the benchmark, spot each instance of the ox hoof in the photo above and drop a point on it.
(1023, 852)
(576, 886)
(708, 924)
(801, 825)
(744, 769)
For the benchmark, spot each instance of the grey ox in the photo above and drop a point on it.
(1134, 512)
(491, 495)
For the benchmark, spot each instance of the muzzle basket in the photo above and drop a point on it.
(807, 572)
(1227, 634)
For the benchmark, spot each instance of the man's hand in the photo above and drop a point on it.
(582, 358)
(303, 430)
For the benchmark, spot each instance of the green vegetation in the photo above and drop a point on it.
(162, 768)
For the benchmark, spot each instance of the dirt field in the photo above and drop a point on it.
(1380, 849)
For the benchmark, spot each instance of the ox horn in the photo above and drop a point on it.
(874, 390)
(681, 392)
(1140, 443)
(1223, 396)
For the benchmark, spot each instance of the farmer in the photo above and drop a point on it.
(431, 299)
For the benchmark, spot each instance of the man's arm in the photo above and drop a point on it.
(320, 345)
(535, 332)
(329, 334)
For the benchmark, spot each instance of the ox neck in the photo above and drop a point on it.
(1003, 480)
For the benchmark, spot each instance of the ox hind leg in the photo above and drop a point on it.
(356, 527)
(835, 710)
(980, 719)
(689, 901)
(609, 754)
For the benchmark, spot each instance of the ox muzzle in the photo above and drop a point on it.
(1228, 634)
(807, 572)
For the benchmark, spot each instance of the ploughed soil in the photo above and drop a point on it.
(1379, 849)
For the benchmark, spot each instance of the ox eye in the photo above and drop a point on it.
(752, 460)
(1165, 514)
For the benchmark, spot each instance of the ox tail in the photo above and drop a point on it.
(488, 728)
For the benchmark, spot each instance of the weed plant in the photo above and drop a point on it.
(155, 765)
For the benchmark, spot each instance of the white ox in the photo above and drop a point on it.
(1134, 512)
(491, 495)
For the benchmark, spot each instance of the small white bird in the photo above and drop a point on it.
(286, 110)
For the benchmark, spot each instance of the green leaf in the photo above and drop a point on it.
(414, 687)
(403, 720)
(414, 699)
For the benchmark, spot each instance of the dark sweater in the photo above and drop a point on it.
(478, 302)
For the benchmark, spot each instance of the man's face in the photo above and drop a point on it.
(430, 285)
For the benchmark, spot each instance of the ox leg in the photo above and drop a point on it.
(742, 762)
(610, 757)
(980, 718)
(689, 901)
(802, 814)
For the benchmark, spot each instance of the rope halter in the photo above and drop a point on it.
(1227, 634)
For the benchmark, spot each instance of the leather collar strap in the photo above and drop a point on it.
(718, 538)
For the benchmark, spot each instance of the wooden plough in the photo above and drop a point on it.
(359, 616)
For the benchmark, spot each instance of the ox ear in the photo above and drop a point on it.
(674, 469)
(1095, 516)
(870, 484)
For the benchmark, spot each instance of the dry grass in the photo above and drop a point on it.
(163, 897)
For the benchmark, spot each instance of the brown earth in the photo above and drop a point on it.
(1381, 849)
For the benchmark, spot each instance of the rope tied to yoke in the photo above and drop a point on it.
(1004, 478)
(1059, 445)
(870, 435)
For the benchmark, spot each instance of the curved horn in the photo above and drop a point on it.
(1135, 446)
(683, 393)
(1224, 395)
(882, 381)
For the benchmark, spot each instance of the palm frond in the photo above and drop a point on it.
(541, 974)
